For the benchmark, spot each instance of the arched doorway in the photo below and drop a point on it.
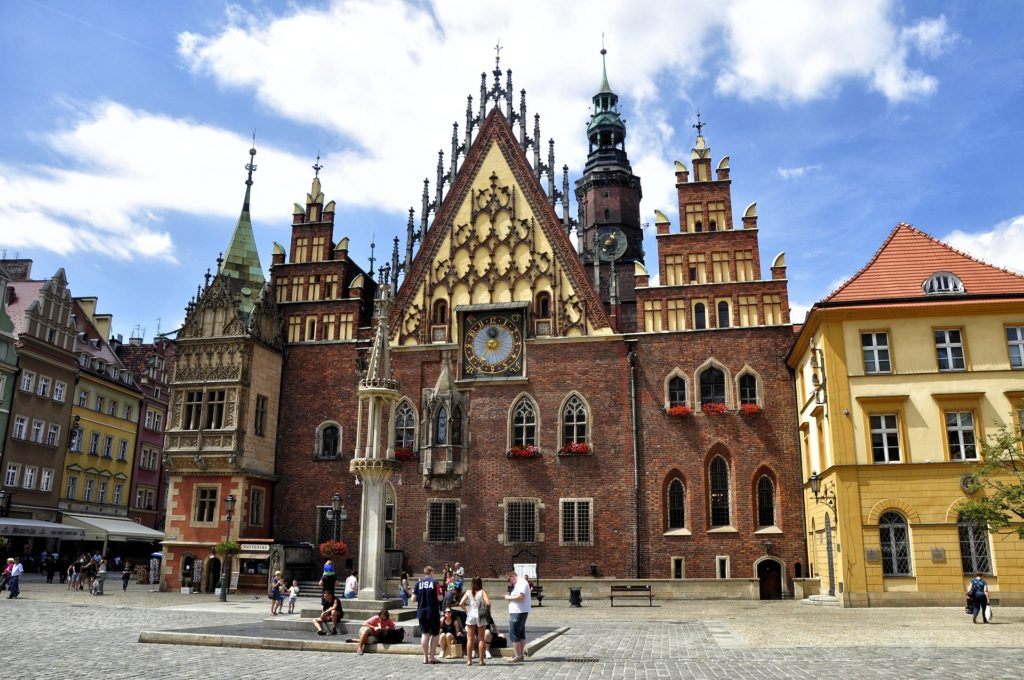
(769, 574)
(212, 574)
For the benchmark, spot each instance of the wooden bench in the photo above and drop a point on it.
(632, 592)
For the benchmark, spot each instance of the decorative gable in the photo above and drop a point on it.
(496, 239)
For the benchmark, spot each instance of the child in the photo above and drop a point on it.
(276, 596)
(293, 595)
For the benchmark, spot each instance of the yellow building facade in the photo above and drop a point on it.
(901, 373)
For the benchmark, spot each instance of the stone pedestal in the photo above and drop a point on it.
(374, 474)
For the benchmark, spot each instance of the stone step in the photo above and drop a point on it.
(364, 609)
(346, 627)
(822, 600)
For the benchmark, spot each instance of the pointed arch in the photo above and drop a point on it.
(749, 386)
(390, 515)
(676, 388)
(718, 388)
(405, 425)
(719, 478)
(523, 421)
(765, 495)
(441, 426)
(574, 419)
(327, 440)
(674, 501)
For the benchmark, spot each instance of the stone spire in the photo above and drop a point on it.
(241, 268)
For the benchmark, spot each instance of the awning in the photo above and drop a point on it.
(14, 526)
(254, 556)
(112, 528)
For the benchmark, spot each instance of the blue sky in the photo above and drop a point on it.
(126, 124)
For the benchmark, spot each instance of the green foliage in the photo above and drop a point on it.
(227, 548)
(999, 484)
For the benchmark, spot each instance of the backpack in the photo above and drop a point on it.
(392, 636)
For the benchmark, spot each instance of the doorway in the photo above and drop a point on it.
(769, 574)
(213, 574)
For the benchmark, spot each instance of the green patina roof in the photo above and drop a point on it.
(241, 266)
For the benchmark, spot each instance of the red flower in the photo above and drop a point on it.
(403, 454)
(528, 451)
(679, 410)
(333, 549)
(576, 448)
(713, 407)
(750, 409)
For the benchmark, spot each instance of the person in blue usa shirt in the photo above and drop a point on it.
(428, 613)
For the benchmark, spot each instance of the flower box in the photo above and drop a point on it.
(333, 549)
(528, 451)
(714, 408)
(750, 409)
(404, 454)
(576, 449)
(680, 410)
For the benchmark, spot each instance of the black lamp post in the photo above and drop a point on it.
(826, 497)
(5, 502)
(229, 503)
(336, 507)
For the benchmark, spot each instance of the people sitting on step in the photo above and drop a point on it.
(451, 633)
(332, 613)
(373, 629)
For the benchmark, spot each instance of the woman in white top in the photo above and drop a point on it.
(475, 602)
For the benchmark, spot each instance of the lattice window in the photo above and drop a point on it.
(1014, 343)
(765, 502)
(960, 435)
(443, 521)
(676, 504)
(718, 473)
(712, 386)
(895, 540)
(885, 438)
(576, 520)
(748, 389)
(574, 421)
(521, 520)
(441, 428)
(676, 391)
(949, 350)
(215, 409)
(405, 427)
(974, 553)
(329, 441)
(524, 423)
(875, 348)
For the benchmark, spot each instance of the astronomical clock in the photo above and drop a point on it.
(492, 341)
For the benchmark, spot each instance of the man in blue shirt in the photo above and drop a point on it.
(428, 613)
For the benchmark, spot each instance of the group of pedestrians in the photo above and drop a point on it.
(11, 578)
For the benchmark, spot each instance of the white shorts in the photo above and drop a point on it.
(472, 620)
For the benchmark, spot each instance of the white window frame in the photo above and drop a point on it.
(53, 435)
(948, 347)
(959, 428)
(108, 446)
(38, 431)
(71, 488)
(20, 429)
(43, 386)
(28, 381)
(118, 489)
(720, 562)
(873, 365)
(83, 398)
(29, 477)
(1015, 340)
(87, 490)
(46, 479)
(577, 502)
(122, 451)
(11, 475)
(884, 428)
(101, 492)
(60, 390)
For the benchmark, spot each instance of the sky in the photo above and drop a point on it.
(125, 125)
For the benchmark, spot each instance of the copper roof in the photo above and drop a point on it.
(908, 258)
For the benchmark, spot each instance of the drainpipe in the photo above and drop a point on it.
(632, 358)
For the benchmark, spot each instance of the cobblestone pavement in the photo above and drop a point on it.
(50, 633)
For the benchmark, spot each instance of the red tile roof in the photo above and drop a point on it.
(908, 257)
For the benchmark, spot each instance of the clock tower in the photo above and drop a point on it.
(608, 194)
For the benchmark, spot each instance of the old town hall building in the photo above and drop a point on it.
(553, 405)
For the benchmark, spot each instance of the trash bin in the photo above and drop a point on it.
(575, 597)
(97, 585)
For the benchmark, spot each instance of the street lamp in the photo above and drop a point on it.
(229, 503)
(826, 497)
(5, 503)
(337, 514)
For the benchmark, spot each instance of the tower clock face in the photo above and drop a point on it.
(611, 243)
(493, 345)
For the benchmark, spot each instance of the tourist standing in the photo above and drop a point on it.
(126, 575)
(17, 569)
(518, 610)
(403, 589)
(293, 596)
(428, 614)
(476, 603)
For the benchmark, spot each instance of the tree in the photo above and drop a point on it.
(999, 478)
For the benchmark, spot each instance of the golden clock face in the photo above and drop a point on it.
(493, 345)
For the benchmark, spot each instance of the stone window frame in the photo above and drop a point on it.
(720, 453)
(458, 537)
(759, 502)
(890, 526)
(666, 384)
(671, 480)
(505, 506)
(589, 541)
(511, 429)
(318, 435)
(406, 402)
(587, 423)
(748, 370)
(970, 562)
(28, 381)
(712, 362)
(213, 511)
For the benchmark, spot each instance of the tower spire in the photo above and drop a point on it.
(241, 264)
(605, 87)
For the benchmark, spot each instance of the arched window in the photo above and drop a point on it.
(328, 440)
(700, 315)
(441, 428)
(748, 389)
(574, 421)
(676, 391)
(455, 426)
(405, 427)
(712, 386)
(765, 502)
(974, 555)
(719, 485)
(895, 540)
(676, 504)
(943, 282)
(524, 423)
(440, 312)
(723, 314)
(543, 305)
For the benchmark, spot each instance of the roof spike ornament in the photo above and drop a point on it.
(220, 261)
(524, 141)
(536, 146)
(439, 186)
(373, 246)
(604, 69)
(425, 212)
(410, 237)
(317, 166)
(455, 152)
(566, 223)
(207, 278)
(508, 97)
(551, 172)
(483, 98)
(395, 265)
(469, 122)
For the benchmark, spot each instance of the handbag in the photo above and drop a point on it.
(969, 609)
(988, 612)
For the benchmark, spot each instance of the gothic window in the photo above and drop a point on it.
(405, 426)
(524, 423)
(895, 540)
(440, 312)
(389, 516)
(543, 307)
(712, 386)
(328, 440)
(441, 428)
(765, 502)
(748, 389)
(723, 314)
(574, 421)
(974, 555)
(700, 316)
(676, 391)
(455, 426)
(719, 486)
(676, 504)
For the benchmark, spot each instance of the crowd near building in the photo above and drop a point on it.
(540, 398)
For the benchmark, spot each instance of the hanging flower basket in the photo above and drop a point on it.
(404, 454)
(332, 549)
(576, 449)
(750, 409)
(714, 408)
(227, 548)
(680, 410)
(528, 451)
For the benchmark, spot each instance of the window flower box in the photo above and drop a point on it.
(333, 549)
(750, 409)
(528, 451)
(680, 410)
(404, 454)
(576, 449)
(714, 408)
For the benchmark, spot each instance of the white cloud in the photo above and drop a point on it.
(798, 311)
(1003, 245)
(798, 172)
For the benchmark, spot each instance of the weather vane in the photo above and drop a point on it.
(317, 167)
(699, 125)
(497, 55)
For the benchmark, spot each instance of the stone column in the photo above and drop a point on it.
(374, 475)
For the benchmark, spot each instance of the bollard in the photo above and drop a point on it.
(575, 597)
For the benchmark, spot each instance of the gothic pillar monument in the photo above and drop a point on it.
(374, 461)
